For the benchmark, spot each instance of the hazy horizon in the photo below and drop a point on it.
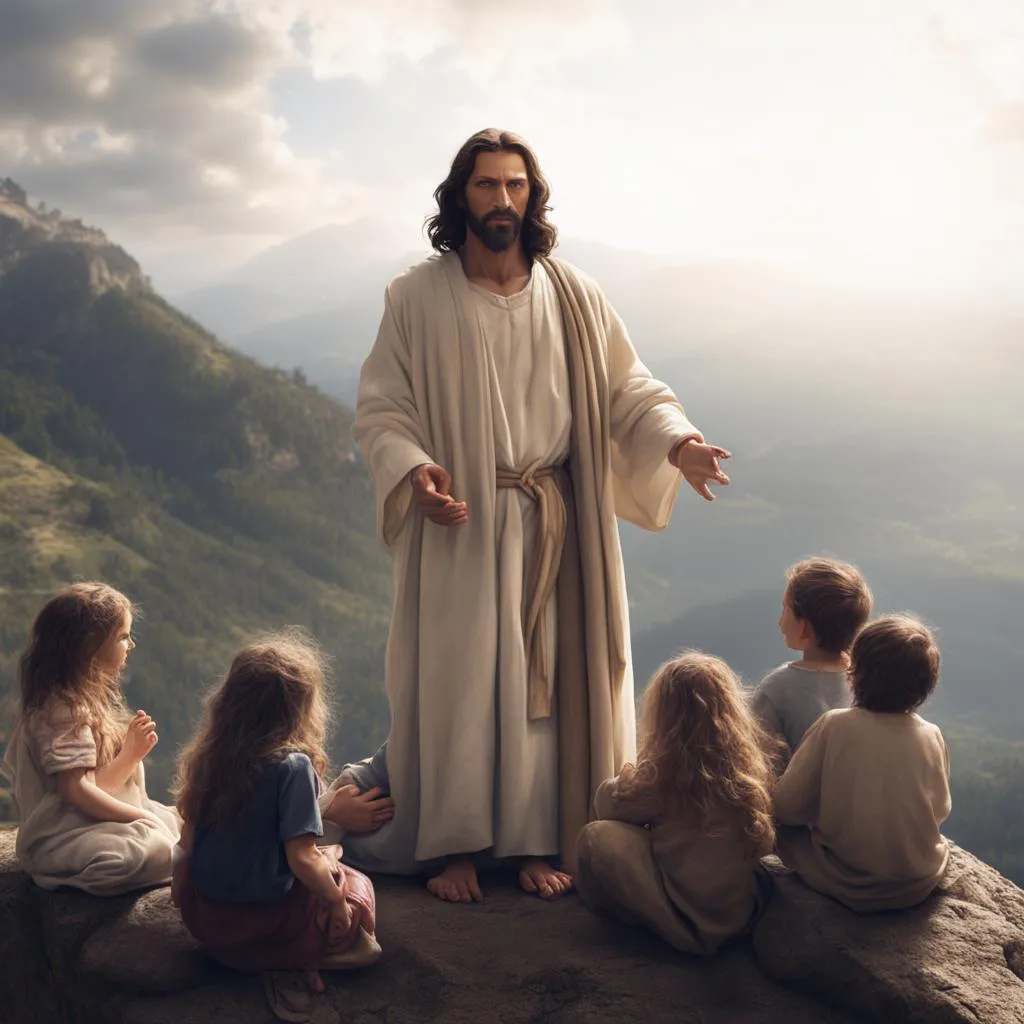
(871, 143)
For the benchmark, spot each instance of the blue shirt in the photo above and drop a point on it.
(244, 861)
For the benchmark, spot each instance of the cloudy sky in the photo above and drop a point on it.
(880, 141)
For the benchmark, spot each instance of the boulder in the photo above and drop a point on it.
(512, 959)
(958, 957)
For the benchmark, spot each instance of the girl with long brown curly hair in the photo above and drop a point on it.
(680, 834)
(253, 886)
(76, 754)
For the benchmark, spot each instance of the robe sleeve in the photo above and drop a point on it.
(798, 792)
(62, 740)
(388, 427)
(646, 421)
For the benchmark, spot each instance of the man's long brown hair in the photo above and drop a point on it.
(59, 661)
(702, 750)
(272, 702)
(447, 228)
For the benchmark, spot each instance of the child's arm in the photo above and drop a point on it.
(299, 825)
(942, 800)
(77, 787)
(611, 803)
(798, 792)
(771, 722)
(310, 867)
(139, 740)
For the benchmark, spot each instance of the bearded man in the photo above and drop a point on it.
(506, 422)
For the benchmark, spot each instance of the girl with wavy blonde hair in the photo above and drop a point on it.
(253, 886)
(680, 834)
(76, 754)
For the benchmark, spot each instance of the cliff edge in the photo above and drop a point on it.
(960, 957)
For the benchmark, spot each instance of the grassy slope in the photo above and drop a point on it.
(200, 597)
(222, 496)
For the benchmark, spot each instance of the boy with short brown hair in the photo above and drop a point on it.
(824, 606)
(866, 794)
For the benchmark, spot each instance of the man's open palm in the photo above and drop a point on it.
(699, 464)
(431, 489)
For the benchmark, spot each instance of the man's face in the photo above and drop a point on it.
(497, 194)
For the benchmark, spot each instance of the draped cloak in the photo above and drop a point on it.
(426, 396)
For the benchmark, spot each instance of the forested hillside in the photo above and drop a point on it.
(222, 496)
(226, 498)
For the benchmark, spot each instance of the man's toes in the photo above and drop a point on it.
(527, 882)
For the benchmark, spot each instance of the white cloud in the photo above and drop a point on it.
(691, 125)
(163, 111)
(487, 40)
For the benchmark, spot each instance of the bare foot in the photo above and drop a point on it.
(313, 981)
(537, 875)
(457, 883)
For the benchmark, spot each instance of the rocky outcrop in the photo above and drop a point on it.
(512, 959)
(959, 957)
(24, 230)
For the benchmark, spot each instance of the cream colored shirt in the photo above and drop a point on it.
(60, 740)
(870, 791)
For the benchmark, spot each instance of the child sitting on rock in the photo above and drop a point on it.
(824, 606)
(680, 835)
(75, 758)
(868, 788)
(253, 887)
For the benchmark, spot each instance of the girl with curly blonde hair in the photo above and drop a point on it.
(680, 834)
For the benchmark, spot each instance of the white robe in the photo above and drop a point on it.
(449, 380)
(525, 351)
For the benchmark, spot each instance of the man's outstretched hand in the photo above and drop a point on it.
(698, 462)
(431, 490)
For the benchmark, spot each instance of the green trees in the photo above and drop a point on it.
(222, 496)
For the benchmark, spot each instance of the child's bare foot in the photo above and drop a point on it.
(538, 876)
(313, 981)
(457, 883)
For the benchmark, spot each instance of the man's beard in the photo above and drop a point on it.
(496, 237)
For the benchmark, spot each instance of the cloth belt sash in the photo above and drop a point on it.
(540, 484)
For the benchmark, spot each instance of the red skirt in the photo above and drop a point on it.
(287, 934)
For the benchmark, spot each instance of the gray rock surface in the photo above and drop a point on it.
(959, 957)
(515, 960)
